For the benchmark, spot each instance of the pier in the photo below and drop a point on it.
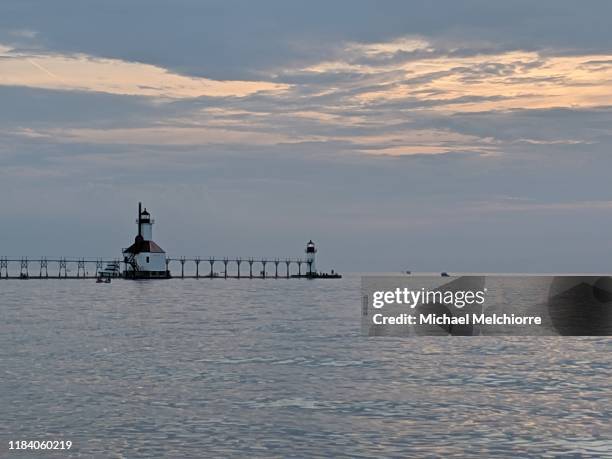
(145, 259)
(181, 268)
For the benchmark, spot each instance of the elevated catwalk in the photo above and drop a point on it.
(187, 268)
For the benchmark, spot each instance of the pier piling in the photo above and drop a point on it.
(43, 266)
(4, 265)
(81, 268)
(24, 268)
(182, 260)
(197, 263)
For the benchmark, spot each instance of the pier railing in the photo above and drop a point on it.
(182, 267)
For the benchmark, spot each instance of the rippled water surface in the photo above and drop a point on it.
(260, 368)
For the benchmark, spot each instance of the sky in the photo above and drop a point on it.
(470, 136)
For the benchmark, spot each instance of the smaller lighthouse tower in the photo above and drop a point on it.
(310, 258)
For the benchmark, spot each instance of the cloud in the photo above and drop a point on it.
(80, 72)
(509, 80)
(402, 44)
(157, 135)
(238, 39)
(409, 95)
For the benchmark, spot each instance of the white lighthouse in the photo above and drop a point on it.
(144, 259)
(310, 258)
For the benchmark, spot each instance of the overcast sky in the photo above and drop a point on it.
(433, 135)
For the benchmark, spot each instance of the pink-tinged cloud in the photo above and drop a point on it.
(82, 72)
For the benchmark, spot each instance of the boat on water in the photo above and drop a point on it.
(112, 269)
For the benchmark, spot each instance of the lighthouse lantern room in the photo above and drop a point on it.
(144, 259)
(310, 258)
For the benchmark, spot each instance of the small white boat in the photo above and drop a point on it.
(112, 269)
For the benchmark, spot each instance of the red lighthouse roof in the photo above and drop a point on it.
(140, 246)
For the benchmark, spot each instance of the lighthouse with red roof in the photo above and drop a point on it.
(144, 259)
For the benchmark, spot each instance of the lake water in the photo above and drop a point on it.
(279, 368)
